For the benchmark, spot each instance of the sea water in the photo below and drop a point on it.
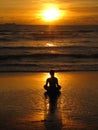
(26, 48)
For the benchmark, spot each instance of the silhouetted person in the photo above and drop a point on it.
(52, 92)
(52, 83)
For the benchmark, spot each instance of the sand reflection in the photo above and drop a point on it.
(52, 114)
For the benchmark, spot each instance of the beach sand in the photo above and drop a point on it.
(23, 105)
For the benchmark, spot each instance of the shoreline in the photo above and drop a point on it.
(48, 71)
(19, 73)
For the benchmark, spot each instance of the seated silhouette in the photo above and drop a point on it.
(52, 85)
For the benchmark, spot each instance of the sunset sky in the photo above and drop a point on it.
(31, 11)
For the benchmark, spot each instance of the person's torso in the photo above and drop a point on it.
(52, 82)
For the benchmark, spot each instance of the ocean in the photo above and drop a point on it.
(27, 48)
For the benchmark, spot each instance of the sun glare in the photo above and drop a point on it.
(50, 45)
(51, 13)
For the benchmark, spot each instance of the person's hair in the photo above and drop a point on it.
(52, 72)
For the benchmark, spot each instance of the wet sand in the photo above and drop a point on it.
(23, 105)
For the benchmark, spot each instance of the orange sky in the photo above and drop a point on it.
(27, 11)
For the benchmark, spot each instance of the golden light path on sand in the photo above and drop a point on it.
(23, 98)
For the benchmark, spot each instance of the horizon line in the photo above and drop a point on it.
(49, 24)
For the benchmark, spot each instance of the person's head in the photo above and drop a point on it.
(52, 73)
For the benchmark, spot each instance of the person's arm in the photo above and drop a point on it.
(59, 87)
(57, 82)
(47, 82)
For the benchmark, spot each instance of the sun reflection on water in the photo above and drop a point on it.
(50, 44)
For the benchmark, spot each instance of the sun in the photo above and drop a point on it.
(51, 14)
